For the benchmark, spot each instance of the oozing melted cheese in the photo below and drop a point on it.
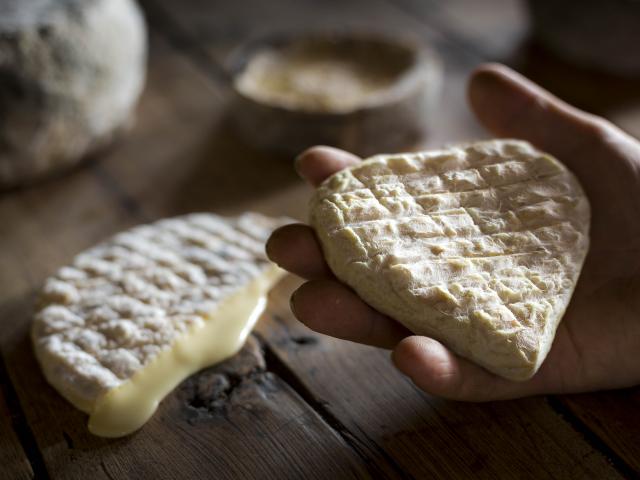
(128, 407)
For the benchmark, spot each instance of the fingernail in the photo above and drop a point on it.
(268, 250)
(296, 163)
(292, 301)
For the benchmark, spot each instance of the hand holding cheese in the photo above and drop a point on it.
(596, 340)
(479, 246)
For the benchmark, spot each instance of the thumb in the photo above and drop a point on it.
(510, 105)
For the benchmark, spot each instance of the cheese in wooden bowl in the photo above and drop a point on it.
(360, 92)
(71, 72)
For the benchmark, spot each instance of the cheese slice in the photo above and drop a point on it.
(117, 330)
(479, 246)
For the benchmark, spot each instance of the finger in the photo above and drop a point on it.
(440, 372)
(509, 105)
(329, 307)
(295, 248)
(317, 163)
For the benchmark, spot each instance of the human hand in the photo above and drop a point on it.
(597, 345)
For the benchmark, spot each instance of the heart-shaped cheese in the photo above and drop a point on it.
(478, 246)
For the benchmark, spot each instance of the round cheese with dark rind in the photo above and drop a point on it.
(71, 72)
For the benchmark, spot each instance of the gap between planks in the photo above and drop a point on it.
(592, 438)
(280, 368)
(160, 19)
(20, 425)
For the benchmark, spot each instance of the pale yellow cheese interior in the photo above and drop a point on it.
(126, 408)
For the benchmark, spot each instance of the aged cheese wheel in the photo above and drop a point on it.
(70, 74)
(479, 246)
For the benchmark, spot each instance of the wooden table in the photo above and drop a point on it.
(295, 404)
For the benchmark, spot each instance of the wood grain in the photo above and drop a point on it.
(13, 460)
(612, 417)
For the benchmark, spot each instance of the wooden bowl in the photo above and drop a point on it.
(391, 117)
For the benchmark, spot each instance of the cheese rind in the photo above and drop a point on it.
(478, 246)
(127, 303)
(71, 72)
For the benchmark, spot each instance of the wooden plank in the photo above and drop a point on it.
(13, 460)
(612, 416)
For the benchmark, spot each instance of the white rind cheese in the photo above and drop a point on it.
(121, 306)
(478, 246)
(71, 72)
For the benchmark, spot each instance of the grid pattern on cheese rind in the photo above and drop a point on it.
(445, 216)
(122, 302)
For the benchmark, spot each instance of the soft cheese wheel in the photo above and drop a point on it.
(70, 74)
(129, 319)
(479, 246)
